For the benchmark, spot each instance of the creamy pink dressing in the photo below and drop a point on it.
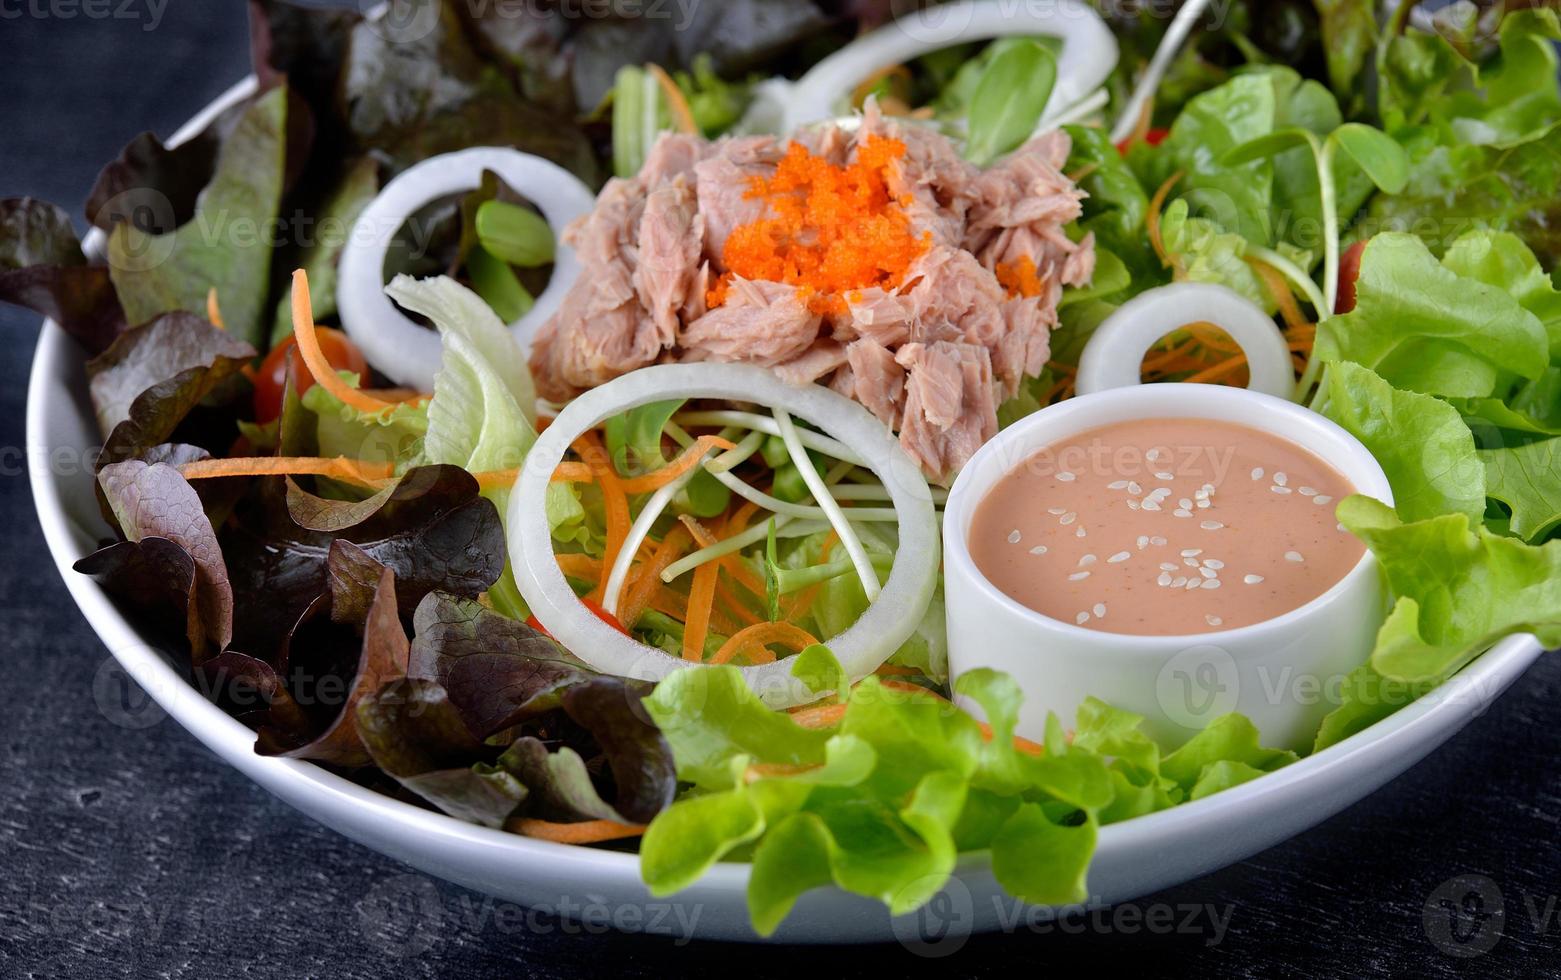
(1165, 526)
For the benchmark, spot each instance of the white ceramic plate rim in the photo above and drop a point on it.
(1403, 735)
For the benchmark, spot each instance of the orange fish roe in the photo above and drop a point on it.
(1019, 277)
(828, 230)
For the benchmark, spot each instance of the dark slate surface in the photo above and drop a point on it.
(132, 851)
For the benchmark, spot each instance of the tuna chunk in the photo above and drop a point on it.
(600, 330)
(671, 239)
(723, 180)
(953, 297)
(932, 358)
(882, 316)
(876, 380)
(932, 395)
(760, 323)
(1025, 347)
(1018, 211)
(672, 155)
(822, 358)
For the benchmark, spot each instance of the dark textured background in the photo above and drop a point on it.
(134, 852)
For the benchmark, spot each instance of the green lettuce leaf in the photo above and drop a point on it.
(881, 802)
(1458, 589)
(1237, 198)
(224, 247)
(1422, 326)
(1527, 478)
(1423, 444)
(1500, 259)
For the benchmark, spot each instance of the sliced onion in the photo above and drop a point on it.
(888, 622)
(1089, 51)
(1149, 82)
(404, 351)
(1114, 356)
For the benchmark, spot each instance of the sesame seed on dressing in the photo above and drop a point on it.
(1121, 502)
(1013, 536)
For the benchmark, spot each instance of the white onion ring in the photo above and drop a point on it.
(888, 622)
(1113, 356)
(1149, 81)
(1089, 51)
(407, 353)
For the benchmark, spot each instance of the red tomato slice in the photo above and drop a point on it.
(1349, 272)
(271, 379)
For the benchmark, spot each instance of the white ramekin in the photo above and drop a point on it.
(1284, 673)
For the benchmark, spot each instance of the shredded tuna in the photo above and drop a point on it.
(760, 323)
(930, 339)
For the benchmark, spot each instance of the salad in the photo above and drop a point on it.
(664, 575)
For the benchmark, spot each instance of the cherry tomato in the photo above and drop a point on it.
(596, 610)
(1349, 271)
(271, 379)
(1154, 138)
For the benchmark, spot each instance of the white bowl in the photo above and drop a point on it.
(1132, 859)
(1279, 672)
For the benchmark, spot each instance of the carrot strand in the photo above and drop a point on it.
(758, 637)
(615, 500)
(1152, 223)
(337, 467)
(314, 358)
(687, 460)
(681, 113)
(670, 550)
(585, 832)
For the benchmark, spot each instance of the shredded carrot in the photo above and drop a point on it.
(572, 473)
(668, 551)
(1213, 337)
(314, 358)
(583, 568)
(682, 115)
(828, 228)
(615, 500)
(701, 602)
(819, 715)
(755, 638)
(830, 540)
(337, 467)
(566, 472)
(687, 460)
(1219, 370)
(731, 563)
(738, 608)
(213, 311)
(1084, 171)
(1275, 283)
(1152, 223)
(585, 832)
